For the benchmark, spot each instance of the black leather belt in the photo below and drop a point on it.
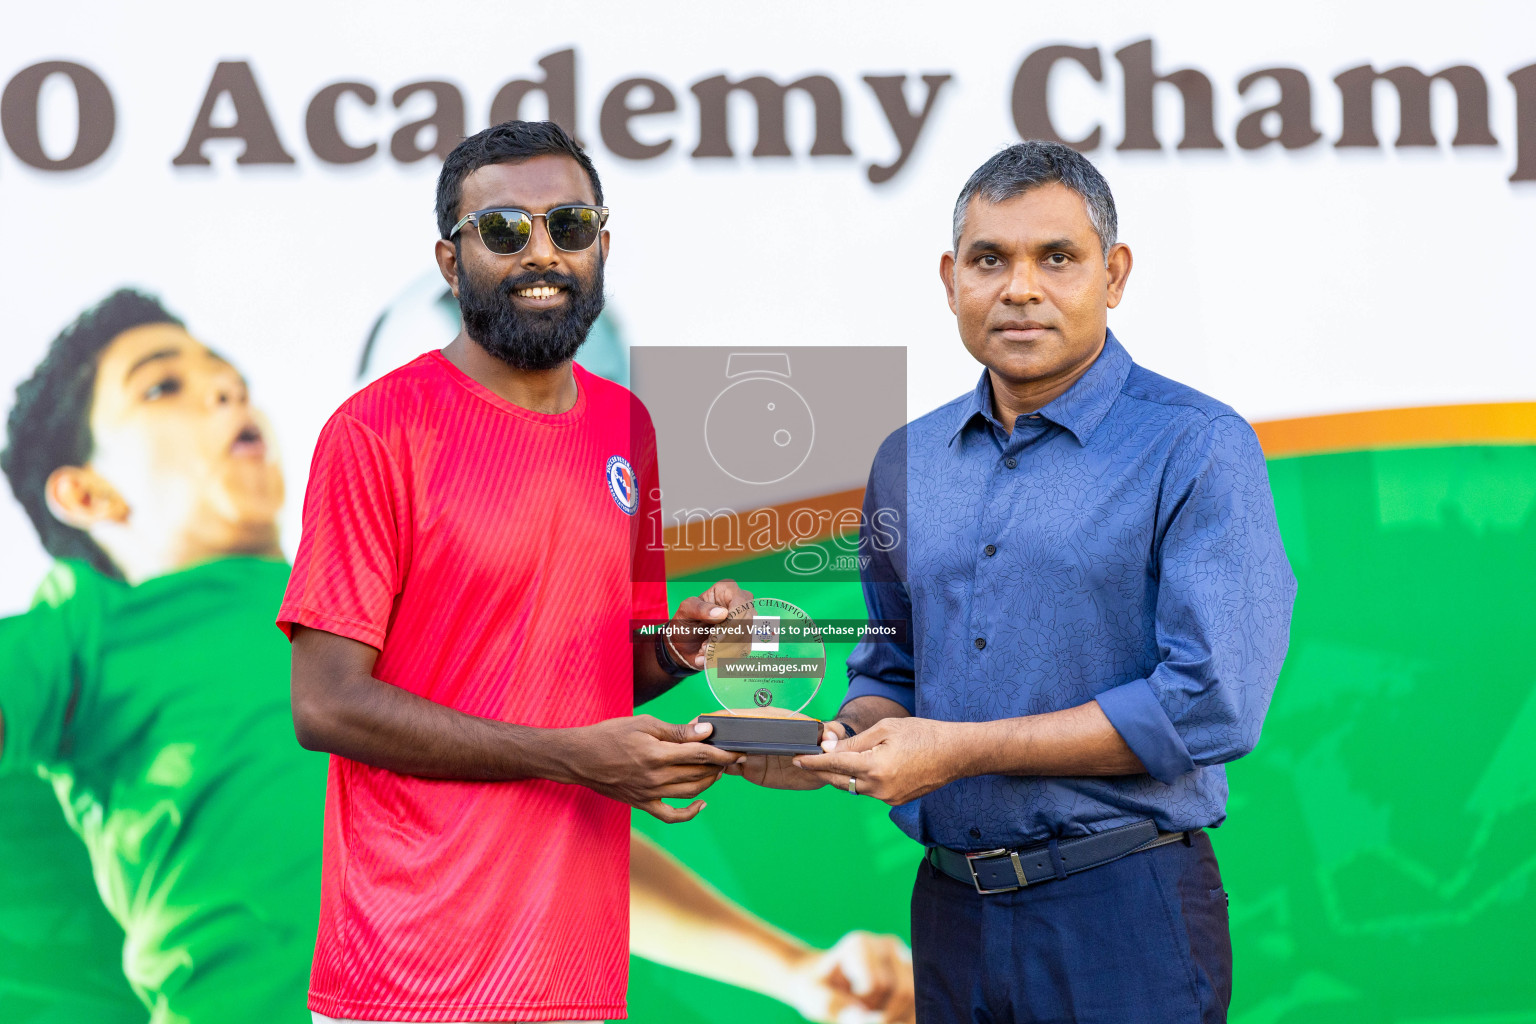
(1004, 870)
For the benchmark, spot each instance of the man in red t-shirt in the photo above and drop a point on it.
(460, 611)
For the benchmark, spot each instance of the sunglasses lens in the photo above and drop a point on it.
(574, 228)
(505, 233)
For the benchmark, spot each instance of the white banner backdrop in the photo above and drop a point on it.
(1299, 277)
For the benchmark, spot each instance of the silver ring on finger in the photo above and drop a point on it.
(853, 786)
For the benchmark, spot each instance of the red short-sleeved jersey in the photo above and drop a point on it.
(493, 556)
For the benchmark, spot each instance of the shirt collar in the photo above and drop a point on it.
(1080, 409)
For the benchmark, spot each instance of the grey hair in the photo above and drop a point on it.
(1029, 165)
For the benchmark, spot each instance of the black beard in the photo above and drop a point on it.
(539, 340)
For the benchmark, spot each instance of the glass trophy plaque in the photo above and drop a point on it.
(764, 664)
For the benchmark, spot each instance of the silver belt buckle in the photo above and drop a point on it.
(1018, 869)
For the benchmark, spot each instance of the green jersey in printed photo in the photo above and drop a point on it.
(160, 715)
(61, 954)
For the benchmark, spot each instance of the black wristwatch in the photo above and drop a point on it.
(850, 730)
(669, 664)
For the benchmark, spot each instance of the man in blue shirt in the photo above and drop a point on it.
(1099, 603)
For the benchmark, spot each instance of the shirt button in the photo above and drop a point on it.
(1011, 462)
(981, 643)
(990, 549)
(975, 833)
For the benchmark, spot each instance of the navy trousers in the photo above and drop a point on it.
(1141, 940)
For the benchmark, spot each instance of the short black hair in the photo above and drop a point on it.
(1030, 164)
(505, 143)
(50, 424)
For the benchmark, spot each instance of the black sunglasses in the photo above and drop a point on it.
(506, 229)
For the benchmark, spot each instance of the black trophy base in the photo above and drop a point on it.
(752, 734)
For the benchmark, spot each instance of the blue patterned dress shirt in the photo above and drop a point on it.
(1120, 546)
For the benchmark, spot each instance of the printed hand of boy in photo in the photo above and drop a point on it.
(863, 979)
(643, 761)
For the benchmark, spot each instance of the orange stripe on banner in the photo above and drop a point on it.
(695, 546)
(1494, 423)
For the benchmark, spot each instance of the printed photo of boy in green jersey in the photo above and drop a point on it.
(147, 688)
(142, 684)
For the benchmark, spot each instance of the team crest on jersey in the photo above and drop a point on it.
(623, 485)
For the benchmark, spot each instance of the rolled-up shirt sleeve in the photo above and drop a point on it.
(885, 667)
(1225, 591)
